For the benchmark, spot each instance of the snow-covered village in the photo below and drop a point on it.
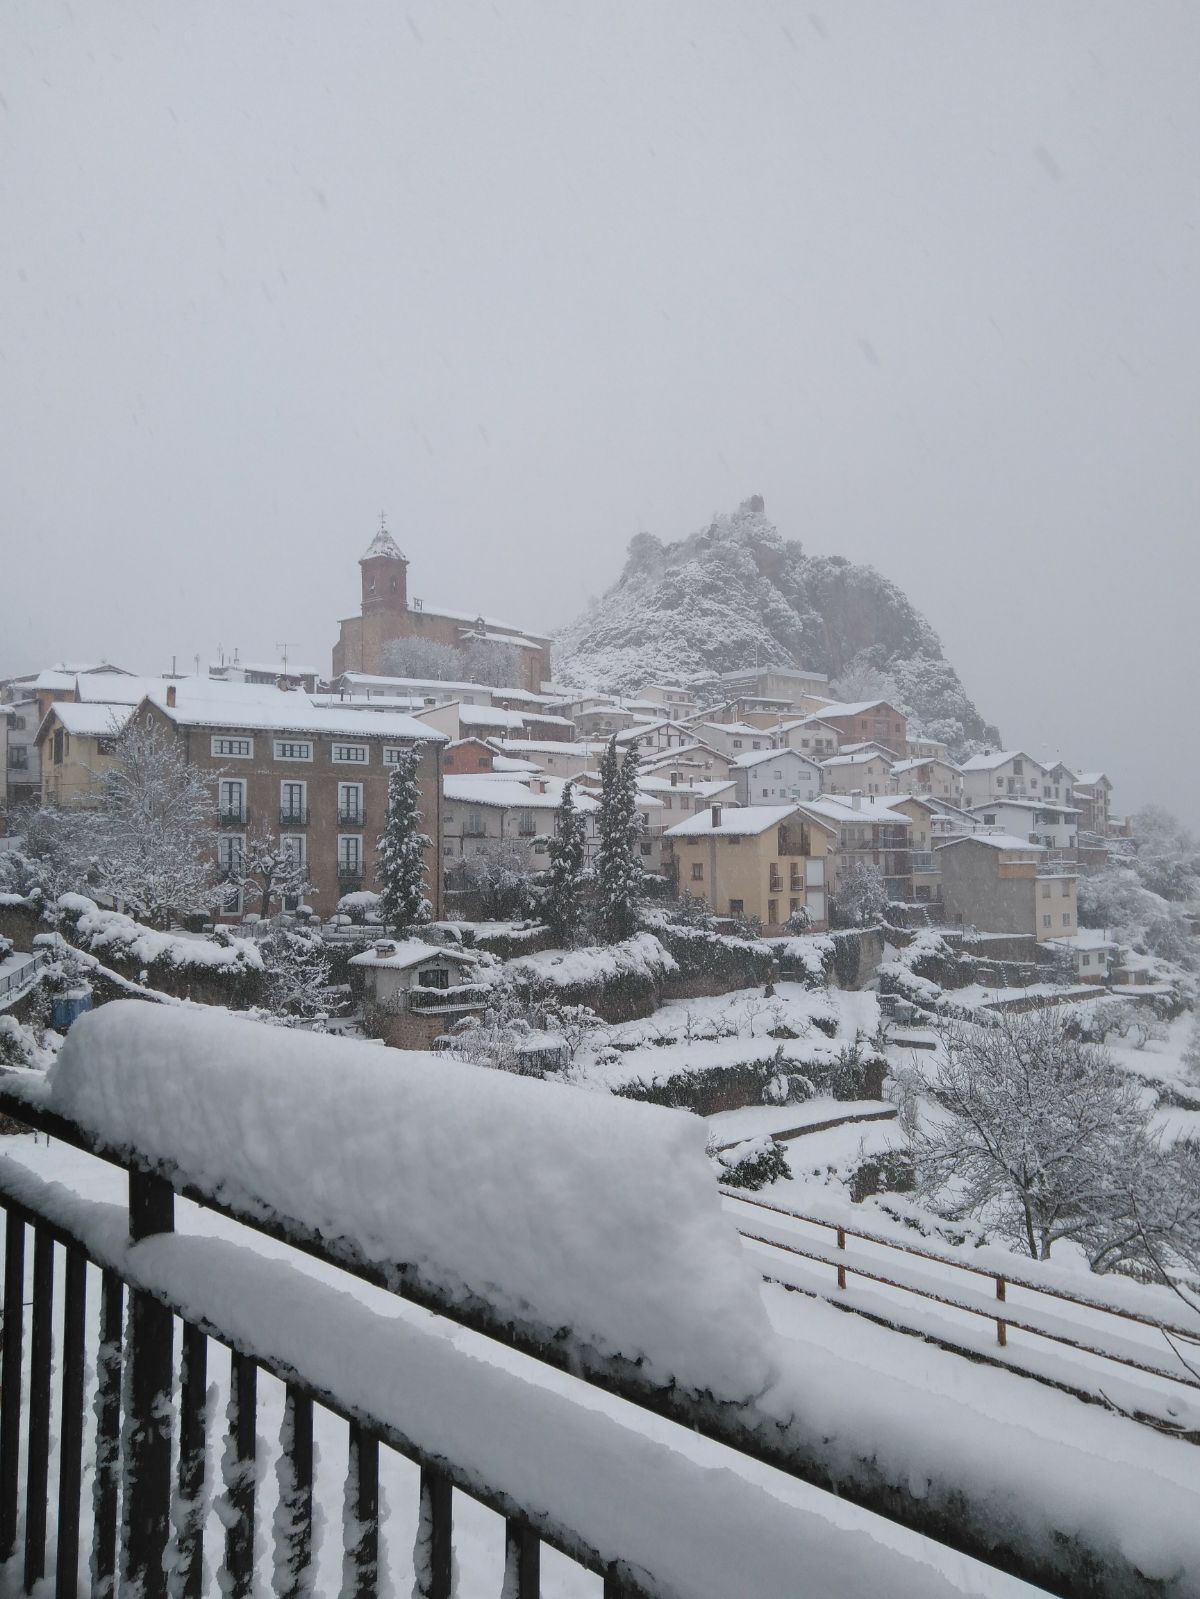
(669, 1091)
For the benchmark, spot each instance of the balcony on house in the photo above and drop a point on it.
(351, 816)
(293, 815)
(350, 870)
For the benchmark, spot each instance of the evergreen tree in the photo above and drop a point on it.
(618, 872)
(567, 847)
(402, 862)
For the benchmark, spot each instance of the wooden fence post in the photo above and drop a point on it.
(1001, 1326)
(841, 1243)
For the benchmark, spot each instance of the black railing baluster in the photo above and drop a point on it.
(10, 1380)
(41, 1352)
(362, 1502)
(70, 1443)
(293, 1527)
(239, 1473)
(433, 1556)
(151, 1339)
(189, 1517)
(522, 1561)
(107, 1481)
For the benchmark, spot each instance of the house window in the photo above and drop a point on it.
(349, 855)
(392, 753)
(1046, 921)
(525, 825)
(106, 746)
(990, 821)
(1085, 960)
(645, 847)
(232, 798)
(1066, 887)
(350, 803)
(1045, 890)
(793, 906)
(58, 747)
(697, 871)
(434, 977)
(18, 757)
(241, 748)
(351, 754)
(476, 828)
(736, 907)
(288, 749)
(773, 911)
(1066, 918)
(230, 853)
(293, 805)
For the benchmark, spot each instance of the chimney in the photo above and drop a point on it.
(856, 799)
(716, 816)
(170, 696)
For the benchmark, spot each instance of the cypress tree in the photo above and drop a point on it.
(618, 871)
(401, 846)
(567, 848)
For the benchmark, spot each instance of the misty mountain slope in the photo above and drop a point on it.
(736, 593)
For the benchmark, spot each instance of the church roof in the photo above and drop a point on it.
(382, 544)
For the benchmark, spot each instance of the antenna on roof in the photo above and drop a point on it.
(382, 522)
(283, 657)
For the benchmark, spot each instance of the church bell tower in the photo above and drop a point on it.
(384, 573)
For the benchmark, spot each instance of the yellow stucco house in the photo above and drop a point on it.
(78, 744)
(767, 861)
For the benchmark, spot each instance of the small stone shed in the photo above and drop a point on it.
(409, 990)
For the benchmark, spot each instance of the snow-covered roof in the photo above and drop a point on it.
(1092, 779)
(757, 757)
(509, 633)
(115, 688)
(547, 746)
(856, 760)
(63, 673)
(740, 729)
(382, 544)
(841, 808)
(814, 721)
(706, 790)
(371, 702)
(856, 708)
(993, 758)
(1002, 801)
(921, 760)
(506, 763)
(89, 721)
(498, 789)
(1003, 841)
(275, 668)
(209, 702)
(737, 821)
(401, 954)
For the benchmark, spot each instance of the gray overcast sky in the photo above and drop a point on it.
(535, 276)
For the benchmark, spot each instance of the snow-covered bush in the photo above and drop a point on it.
(231, 965)
(861, 898)
(752, 1164)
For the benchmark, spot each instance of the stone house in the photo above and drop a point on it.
(865, 773)
(76, 746)
(773, 777)
(313, 776)
(674, 698)
(869, 830)
(409, 990)
(924, 774)
(1093, 794)
(1055, 826)
(1002, 772)
(386, 615)
(810, 735)
(655, 737)
(697, 762)
(731, 738)
(767, 861)
(557, 759)
(869, 719)
(1003, 884)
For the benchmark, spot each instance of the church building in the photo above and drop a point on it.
(388, 614)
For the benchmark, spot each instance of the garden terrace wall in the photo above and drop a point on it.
(712, 1089)
(19, 919)
(236, 983)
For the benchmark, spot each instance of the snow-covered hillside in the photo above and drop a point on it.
(737, 592)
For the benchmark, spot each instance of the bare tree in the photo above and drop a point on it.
(1043, 1137)
(157, 819)
(271, 870)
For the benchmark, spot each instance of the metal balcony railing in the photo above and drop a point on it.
(233, 815)
(352, 816)
(293, 816)
(350, 870)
